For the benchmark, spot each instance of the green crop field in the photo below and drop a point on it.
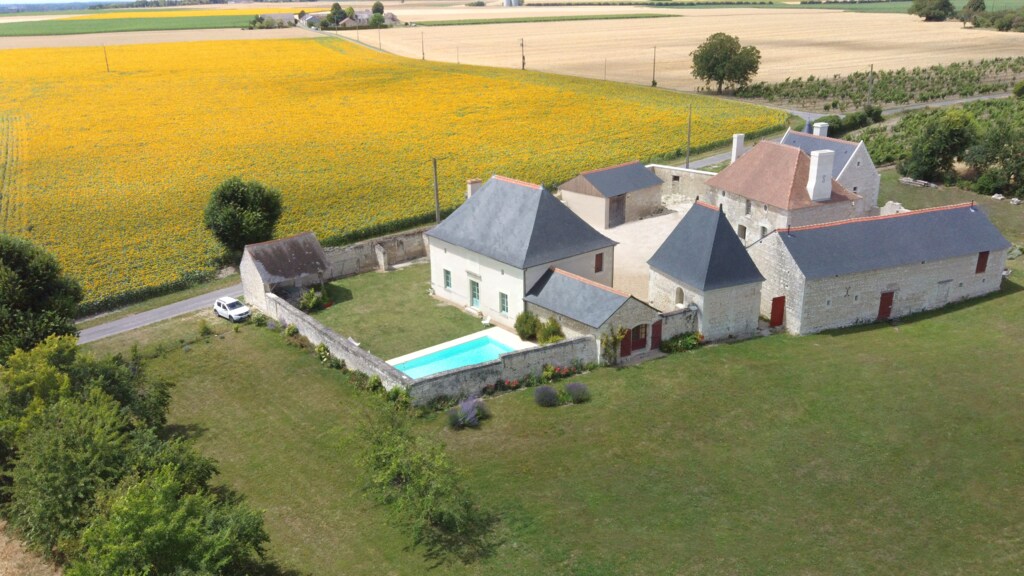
(62, 27)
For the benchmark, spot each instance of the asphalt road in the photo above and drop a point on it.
(156, 315)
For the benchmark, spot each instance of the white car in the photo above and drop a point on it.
(231, 309)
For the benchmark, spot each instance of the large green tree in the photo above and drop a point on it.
(241, 213)
(378, 7)
(998, 158)
(36, 298)
(932, 10)
(722, 60)
(937, 143)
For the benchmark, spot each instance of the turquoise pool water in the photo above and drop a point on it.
(483, 349)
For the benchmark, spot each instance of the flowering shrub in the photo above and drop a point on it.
(578, 392)
(681, 342)
(468, 414)
(546, 396)
(311, 300)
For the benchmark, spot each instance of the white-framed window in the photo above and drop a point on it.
(447, 279)
(503, 303)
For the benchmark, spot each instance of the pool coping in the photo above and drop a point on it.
(500, 334)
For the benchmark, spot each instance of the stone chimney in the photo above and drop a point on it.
(472, 185)
(819, 177)
(821, 128)
(737, 147)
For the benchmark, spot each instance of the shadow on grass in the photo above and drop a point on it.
(338, 294)
(183, 431)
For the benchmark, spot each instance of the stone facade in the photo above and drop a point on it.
(681, 185)
(720, 314)
(252, 283)
(632, 314)
(471, 380)
(861, 177)
(754, 220)
(827, 303)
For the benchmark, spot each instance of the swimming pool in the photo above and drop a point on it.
(475, 351)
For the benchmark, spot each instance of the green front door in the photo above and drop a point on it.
(474, 293)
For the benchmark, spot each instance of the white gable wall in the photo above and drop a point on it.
(861, 177)
(581, 265)
(592, 209)
(493, 277)
(252, 283)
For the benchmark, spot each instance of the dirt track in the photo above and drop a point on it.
(792, 43)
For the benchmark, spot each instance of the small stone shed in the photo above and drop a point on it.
(586, 308)
(872, 269)
(295, 262)
(702, 263)
(608, 197)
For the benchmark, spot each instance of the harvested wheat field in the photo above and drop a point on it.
(792, 43)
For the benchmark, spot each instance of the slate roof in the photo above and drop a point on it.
(775, 174)
(844, 149)
(881, 242)
(704, 252)
(288, 258)
(615, 180)
(576, 297)
(519, 224)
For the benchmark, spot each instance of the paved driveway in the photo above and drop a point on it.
(637, 243)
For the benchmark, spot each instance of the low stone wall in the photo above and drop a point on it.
(681, 185)
(363, 256)
(471, 380)
(355, 357)
(678, 322)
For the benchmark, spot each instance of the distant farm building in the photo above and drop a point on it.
(295, 262)
(608, 197)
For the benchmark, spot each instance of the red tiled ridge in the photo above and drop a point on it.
(591, 282)
(706, 205)
(610, 167)
(520, 182)
(874, 218)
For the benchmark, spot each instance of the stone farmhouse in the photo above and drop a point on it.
(857, 271)
(508, 234)
(852, 166)
(612, 196)
(288, 263)
(703, 264)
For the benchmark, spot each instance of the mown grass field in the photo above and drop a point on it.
(111, 171)
(95, 26)
(883, 449)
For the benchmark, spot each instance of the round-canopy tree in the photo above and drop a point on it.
(932, 10)
(721, 59)
(36, 299)
(378, 7)
(241, 213)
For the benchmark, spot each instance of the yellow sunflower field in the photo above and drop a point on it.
(111, 171)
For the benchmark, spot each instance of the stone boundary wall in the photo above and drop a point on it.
(678, 322)
(686, 185)
(471, 380)
(355, 357)
(363, 256)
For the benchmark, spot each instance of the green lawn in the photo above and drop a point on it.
(875, 450)
(61, 27)
(392, 314)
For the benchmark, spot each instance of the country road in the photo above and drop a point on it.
(148, 317)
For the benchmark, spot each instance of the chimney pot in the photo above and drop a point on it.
(821, 128)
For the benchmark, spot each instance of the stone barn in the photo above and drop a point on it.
(873, 269)
(852, 166)
(703, 264)
(295, 262)
(586, 308)
(611, 196)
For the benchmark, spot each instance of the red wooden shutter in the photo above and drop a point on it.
(656, 335)
(625, 349)
(599, 262)
(982, 262)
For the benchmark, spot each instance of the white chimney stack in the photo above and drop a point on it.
(819, 178)
(472, 185)
(821, 128)
(737, 147)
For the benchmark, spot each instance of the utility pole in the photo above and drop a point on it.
(437, 203)
(871, 83)
(457, 59)
(423, 47)
(689, 124)
(605, 68)
(522, 48)
(105, 60)
(654, 67)
(379, 45)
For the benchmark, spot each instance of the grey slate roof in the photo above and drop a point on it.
(844, 149)
(288, 258)
(574, 297)
(704, 252)
(619, 180)
(890, 241)
(519, 224)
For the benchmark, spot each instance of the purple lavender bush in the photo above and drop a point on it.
(578, 392)
(546, 396)
(468, 414)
